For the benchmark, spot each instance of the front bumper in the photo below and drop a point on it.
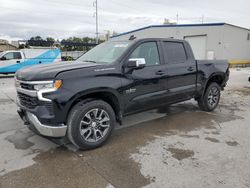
(51, 131)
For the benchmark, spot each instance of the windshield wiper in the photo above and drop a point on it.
(90, 61)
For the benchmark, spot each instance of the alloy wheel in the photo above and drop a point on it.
(213, 97)
(94, 125)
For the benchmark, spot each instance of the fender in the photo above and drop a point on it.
(222, 74)
(97, 92)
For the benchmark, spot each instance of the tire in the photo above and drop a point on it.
(90, 123)
(211, 98)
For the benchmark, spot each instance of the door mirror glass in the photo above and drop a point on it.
(136, 63)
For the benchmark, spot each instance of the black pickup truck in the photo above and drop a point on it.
(84, 99)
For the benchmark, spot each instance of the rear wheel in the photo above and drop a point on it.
(90, 124)
(210, 100)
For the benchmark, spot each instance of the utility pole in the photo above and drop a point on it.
(96, 21)
(202, 19)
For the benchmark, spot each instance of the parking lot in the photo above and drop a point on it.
(176, 146)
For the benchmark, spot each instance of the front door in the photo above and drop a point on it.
(10, 62)
(145, 88)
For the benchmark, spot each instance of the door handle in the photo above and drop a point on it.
(160, 72)
(18, 62)
(190, 69)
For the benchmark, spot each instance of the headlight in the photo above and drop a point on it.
(48, 85)
(17, 83)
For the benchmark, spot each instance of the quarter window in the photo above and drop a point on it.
(149, 52)
(175, 52)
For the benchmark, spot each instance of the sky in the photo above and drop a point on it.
(22, 19)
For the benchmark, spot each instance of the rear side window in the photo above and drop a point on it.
(175, 52)
(17, 55)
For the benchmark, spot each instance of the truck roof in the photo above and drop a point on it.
(148, 39)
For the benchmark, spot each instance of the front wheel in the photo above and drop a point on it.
(90, 124)
(210, 100)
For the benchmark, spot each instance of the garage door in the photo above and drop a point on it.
(198, 44)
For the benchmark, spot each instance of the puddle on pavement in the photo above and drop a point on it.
(215, 132)
(20, 139)
(212, 139)
(55, 168)
(177, 108)
(180, 154)
(232, 143)
(189, 136)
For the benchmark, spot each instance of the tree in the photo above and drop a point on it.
(77, 44)
(36, 38)
(39, 41)
(22, 46)
(50, 39)
(69, 44)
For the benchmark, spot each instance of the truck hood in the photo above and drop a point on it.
(49, 71)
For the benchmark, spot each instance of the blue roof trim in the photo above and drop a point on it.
(179, 25)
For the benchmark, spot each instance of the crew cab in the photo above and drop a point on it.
(84, 99)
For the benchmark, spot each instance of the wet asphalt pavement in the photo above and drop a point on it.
(176, 146)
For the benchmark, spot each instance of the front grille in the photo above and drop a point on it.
(28, 101)
(32, 102)
(27, 86)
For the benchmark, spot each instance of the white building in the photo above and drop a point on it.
(209, 41)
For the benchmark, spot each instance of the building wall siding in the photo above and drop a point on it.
(235, 43)
(226, 41)
(5, 47)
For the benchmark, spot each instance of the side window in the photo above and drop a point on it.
(175, 52)
(9, 56)
(149, 52)
(17, 55)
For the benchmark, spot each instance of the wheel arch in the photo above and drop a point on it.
(107, 95)
(217, 77)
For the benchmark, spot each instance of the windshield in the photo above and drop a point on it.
(107, 52)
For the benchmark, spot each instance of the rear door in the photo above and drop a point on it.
(145, 88)
(181, 69)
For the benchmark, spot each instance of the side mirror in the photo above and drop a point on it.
(136, 63)
(3, 58)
